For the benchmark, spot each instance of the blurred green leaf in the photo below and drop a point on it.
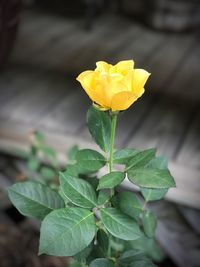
(130, 255)
(149, 222)
(72, 152)
(158, 163)
(39, 136)
(145, 262)
(49, 152)
(153, 194)
(82, 255)
(48, 173)
(102, 242)
(33, 163)
(149, 246)
(101, 262)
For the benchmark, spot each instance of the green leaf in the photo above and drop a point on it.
(47, 173)
(101, 262)
(99, 124)
(158, 163)
(66, 232)
(123, 156)
(77, 264)
(39, 136)
(103, 197)
(111, 180)
(90, 159)
(119, 224)
(49, 152)
(76, 170)
(82, 255)
(151, 178)
(72, 169)
(102, 242)
(72, 152)
(153, 194)
(93, 181)
(78, 191)
(149, 246)
(141, 159)
(129, 203)
(145, 262)
(33, 163)
(34, 199)
(128, 256)
(149, 223)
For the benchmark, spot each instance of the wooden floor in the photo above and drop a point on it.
(38, 90)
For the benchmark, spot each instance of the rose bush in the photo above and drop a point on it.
(84, 215)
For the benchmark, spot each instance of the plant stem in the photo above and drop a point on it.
(112, 141)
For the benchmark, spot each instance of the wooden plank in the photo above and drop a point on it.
(68, 115)
(142, 48)
(29, 26)
(31, 21)
(192, 216)
(163, 126)
(12, 84)
(32, 103)
(189, 153)
(176, 236)
(131, 119)
(165, 62)
(107, 46)
(65, 50)
(9, 87)
(54, 30)
(186, 84)
(15, 135)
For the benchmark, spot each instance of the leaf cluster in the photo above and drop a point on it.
(83, 218)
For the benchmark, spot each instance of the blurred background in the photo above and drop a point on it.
(44, 45)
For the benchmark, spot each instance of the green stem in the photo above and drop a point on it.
(110, 163)
(112, 141)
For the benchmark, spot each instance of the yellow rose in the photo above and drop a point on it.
(114, 87)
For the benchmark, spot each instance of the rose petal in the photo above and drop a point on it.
(102, 66)
(140, 77)
(125, 66)
(122, 100)
(95, 91)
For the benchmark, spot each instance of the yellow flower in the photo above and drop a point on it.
(114, 87)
